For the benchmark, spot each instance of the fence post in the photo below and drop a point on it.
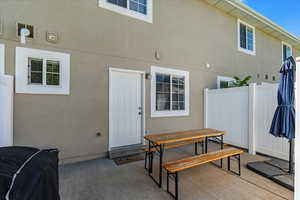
(252, 133)
(297, 141)
(2, 58)
(205, 107)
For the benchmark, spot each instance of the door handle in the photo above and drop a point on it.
(140, 113)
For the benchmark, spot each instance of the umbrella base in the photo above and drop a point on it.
(276, 170)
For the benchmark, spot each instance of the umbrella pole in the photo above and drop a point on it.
(291, 157)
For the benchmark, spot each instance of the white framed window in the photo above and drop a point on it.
(2, 58)
(42, 72)
(246, 38)
(139, 9)
(169, 92)
(287, 51)
(225, 82)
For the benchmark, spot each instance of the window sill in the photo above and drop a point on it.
(252, 53)
(37, 89)
(169, 114)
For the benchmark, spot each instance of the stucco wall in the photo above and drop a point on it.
(187, 33)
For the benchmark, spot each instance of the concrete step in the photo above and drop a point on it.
(126, 151)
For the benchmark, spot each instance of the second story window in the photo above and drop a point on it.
(246, 38)
(140, 9)
(286, 51)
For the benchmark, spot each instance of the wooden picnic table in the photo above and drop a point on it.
(158, 141)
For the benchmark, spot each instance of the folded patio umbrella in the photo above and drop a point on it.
(283, 124)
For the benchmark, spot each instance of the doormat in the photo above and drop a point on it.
(129, 159)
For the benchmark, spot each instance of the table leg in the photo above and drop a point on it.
(161, 153)
(150, 159)
(206, 143)
(222, 147)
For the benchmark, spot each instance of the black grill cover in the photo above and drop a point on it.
(28, 174)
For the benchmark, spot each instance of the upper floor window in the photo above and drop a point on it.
(287, 51)
(246, 40)
(169, 92)
(42, 72)
(140, 9)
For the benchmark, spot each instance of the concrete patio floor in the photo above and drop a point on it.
(103, 179)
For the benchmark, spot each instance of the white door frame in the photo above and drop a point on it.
(142, 73)
(2, 58)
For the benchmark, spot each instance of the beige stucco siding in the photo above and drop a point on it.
(187, 34)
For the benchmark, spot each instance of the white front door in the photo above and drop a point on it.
(126, 108)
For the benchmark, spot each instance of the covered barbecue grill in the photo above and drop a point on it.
(28, 174)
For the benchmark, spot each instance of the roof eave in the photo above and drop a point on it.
(248, 13)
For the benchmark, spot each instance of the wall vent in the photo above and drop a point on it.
(29, 27)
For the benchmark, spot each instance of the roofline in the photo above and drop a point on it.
(241, 6)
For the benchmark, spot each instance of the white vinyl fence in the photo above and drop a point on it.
(246, 113)
(6, 110)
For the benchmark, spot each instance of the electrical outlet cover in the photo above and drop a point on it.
(52, 37)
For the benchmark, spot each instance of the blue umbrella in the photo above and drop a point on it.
(283, 124)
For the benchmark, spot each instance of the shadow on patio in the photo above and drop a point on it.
(103, 179)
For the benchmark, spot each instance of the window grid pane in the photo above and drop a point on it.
(138, 6)
(53, 73)
(284, 52)
(163, 92)
(243, 41)
(178, 92)
(121, 3)
(35, 71)
(249, 39)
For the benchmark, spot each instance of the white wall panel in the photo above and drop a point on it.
(265, 106)
(227, 109)
(6, 108)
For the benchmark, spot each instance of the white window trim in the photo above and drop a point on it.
(288, 45)
(2, 59)
(22, 86)
(253, 53)
(128, 12)
(154, 112)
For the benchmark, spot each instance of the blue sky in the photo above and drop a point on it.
(285, 13)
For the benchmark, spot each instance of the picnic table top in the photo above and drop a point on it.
(179, 136)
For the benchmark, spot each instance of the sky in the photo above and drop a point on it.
(285, 13)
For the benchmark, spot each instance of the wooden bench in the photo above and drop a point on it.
(174, 167)
(172, 146)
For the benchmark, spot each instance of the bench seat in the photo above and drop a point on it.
(174, 167)
(193, 161)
